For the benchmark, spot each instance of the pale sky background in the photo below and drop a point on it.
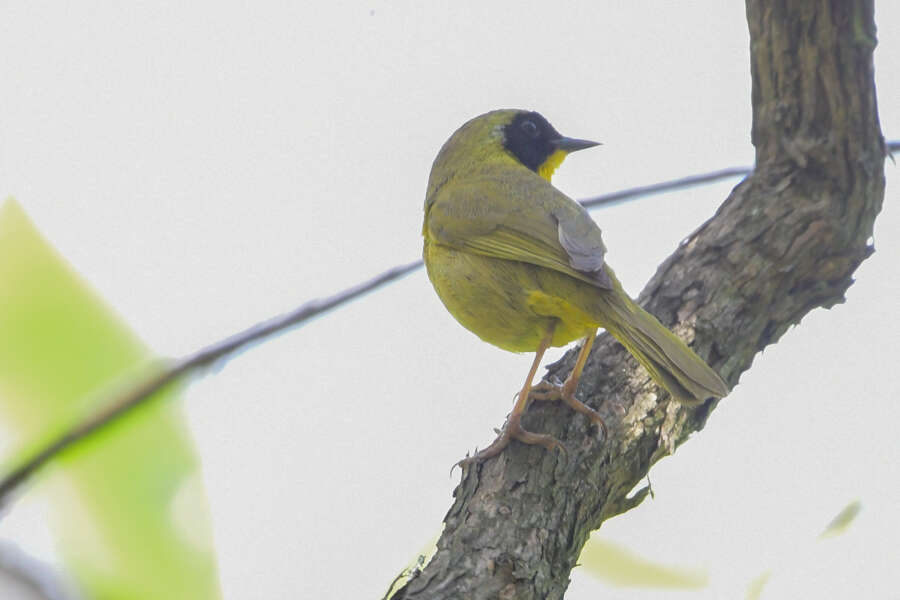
(208, 166)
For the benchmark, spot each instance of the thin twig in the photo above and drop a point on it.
(892, 147)
(684, 182)
(122, 403)
(664, 186)
(137, 394)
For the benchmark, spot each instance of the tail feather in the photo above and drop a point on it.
(670, 362)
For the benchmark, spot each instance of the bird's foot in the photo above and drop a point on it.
(546, 391)
(513, 431)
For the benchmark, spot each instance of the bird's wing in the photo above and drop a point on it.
(520, 218)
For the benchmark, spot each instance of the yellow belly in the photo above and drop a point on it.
(510, 304)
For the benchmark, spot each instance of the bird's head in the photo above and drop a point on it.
(518, 136)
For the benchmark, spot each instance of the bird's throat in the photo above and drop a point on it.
(550, 165)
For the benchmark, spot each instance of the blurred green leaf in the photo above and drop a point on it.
(756, 587)
(619, 566)
(842, 520)
(132, 517)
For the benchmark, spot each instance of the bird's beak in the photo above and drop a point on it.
(568, 144)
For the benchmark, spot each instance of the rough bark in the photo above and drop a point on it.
(786, 241)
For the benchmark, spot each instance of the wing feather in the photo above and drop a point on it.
(538, 225)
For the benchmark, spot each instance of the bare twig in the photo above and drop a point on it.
(684, 182)
(122, 403)
(168, 372)
(663, 186)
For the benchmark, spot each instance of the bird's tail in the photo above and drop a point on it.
(670, 362)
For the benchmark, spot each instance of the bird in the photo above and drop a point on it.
(522, 265)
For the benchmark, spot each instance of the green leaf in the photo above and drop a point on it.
(132, 520)
(842, 520)
(618, 566)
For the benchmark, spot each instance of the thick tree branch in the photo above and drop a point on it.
(787, 240)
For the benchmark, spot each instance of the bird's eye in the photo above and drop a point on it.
(530, 128)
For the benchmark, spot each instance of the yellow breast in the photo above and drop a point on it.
(507, 303)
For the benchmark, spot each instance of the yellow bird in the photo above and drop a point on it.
(521, 265)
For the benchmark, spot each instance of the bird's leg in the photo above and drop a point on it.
(566, 392)
(513, 429)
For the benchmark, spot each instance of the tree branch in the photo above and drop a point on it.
(787, 240)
